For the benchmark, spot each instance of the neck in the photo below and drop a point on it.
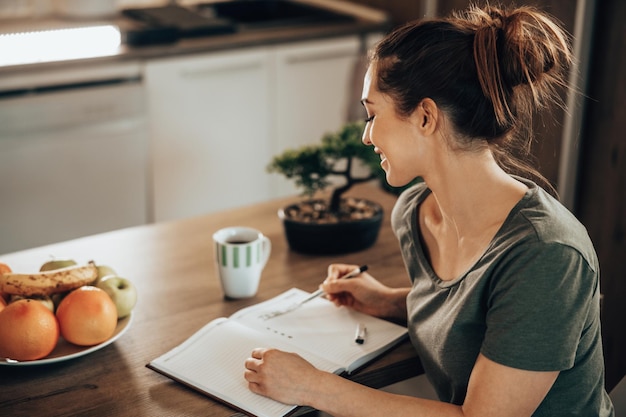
(471, 194)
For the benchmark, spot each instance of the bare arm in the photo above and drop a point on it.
(494, 390)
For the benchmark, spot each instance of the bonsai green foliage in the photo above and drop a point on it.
(311, 166)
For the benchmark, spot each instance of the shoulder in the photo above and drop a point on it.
(410, 198)
(545, 225)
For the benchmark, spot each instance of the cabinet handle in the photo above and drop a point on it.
(321, 56)
(210, 71)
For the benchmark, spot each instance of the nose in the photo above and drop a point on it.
(366, 136)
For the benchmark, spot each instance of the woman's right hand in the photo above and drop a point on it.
(364, 293)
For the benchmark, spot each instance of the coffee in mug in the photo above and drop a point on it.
(240, 256)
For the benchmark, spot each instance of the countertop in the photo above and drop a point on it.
(366, 21)
(172, 266)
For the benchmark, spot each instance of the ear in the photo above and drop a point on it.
(427, 116)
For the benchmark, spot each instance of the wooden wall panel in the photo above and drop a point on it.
(547, 126)
(602, 179)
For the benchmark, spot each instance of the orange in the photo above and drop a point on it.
(3, 302)
(87, 316)
(28, 331)
(4, 268)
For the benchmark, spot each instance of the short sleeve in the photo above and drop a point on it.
(538, 307)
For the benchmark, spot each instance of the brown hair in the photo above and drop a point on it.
(488, 68)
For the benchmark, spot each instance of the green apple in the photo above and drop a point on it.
(58, 297)
(57, 264)
(122, 292)
(104, 271)
(43, 299)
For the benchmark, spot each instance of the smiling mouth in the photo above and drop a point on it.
(378, 152)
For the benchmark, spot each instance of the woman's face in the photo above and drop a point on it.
(396, 139)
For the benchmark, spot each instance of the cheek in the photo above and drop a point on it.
(404, 161)
(380, 134)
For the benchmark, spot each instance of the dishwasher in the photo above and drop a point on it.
(73, 154)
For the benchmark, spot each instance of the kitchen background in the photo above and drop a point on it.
(117, 112)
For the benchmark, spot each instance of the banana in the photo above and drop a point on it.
(48, 282)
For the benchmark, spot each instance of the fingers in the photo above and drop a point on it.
(336, 286)
(258, 353)
(252, 366)
(253, 378)
(339, 290)
(253, 363)
(253, 373)
(336, 271)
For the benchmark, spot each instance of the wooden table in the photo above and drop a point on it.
(172, 266)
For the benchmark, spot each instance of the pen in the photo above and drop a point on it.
(292, 307)
(359, 337)
(355, 272)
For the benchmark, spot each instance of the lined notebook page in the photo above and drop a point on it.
(213, 361)
(319, 326)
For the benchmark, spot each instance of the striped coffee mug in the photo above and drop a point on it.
(240, 256)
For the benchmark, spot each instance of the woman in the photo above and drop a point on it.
(504, 304)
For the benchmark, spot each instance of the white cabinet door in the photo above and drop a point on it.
(209, 127)
(316, 85)
(72, 163)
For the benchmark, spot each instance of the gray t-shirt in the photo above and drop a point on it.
(532, 301)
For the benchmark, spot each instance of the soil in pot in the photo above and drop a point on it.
(310, 227)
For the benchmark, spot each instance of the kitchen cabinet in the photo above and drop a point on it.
(315, 87)
(217, 119)
(209, 127)
(73, 155)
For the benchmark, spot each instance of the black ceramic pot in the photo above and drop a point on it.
(331, 238)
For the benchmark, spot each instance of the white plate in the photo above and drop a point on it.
(65, 351)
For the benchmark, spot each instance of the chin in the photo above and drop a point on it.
(394, 182)
(397, 182)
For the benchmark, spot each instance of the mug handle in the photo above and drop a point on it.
(267, 249)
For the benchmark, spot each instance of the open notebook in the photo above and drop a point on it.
(212, 360)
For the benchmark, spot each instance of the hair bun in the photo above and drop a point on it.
(511, 48)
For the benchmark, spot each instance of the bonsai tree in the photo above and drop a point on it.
(313, 166)
(341, 224)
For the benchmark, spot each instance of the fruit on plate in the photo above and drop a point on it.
(56, 264)
(56, 298)
(87, 316)
(46, 300)
(122, 292)
(28, 331)
(48, 282)
(105, 271)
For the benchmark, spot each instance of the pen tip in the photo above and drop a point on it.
(363, 268)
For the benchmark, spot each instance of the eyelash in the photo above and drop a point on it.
(369, 119)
